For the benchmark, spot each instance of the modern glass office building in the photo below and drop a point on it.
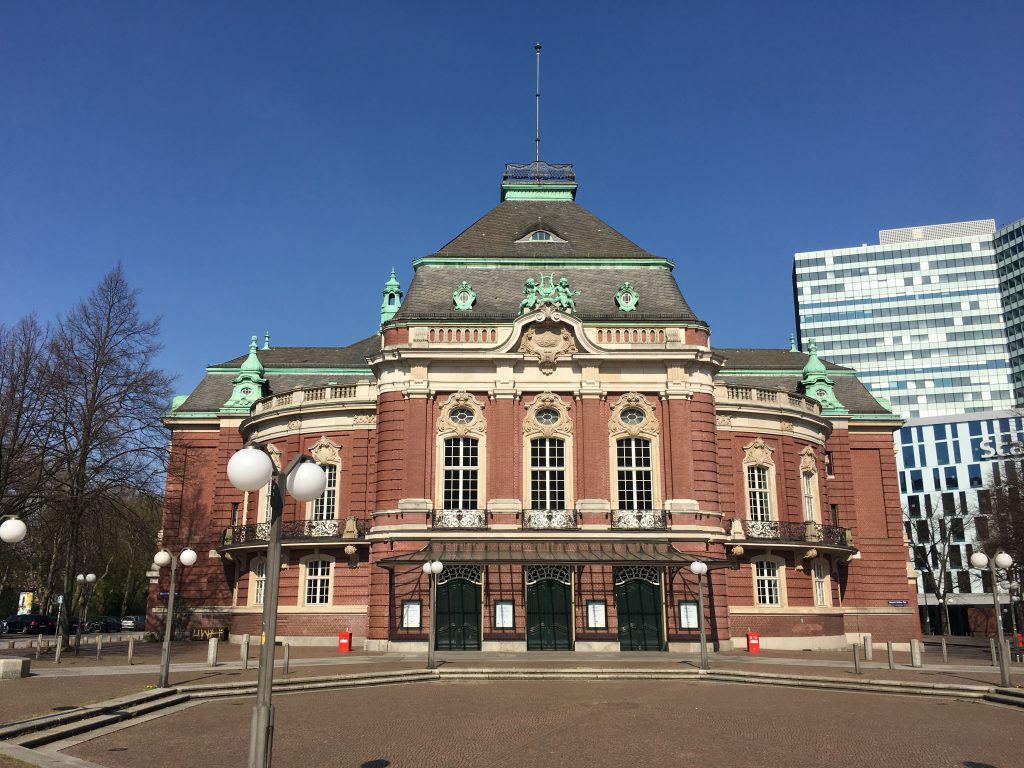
(946, 465)
(1009, 254)
(919, 316)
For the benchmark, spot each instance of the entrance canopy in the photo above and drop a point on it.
(552, 553)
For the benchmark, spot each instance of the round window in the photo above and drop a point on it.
(246, 390)
(461, 416)
(547, 417)
(633, 417)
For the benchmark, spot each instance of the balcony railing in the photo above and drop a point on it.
(539, 171)
(458, 518)
(350, 528)
(735, 393)
(550, 519)
(776, 530)
(639, 519)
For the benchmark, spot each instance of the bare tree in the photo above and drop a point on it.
(104, 399)
(1005, 520)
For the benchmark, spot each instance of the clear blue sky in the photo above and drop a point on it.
(261, 165)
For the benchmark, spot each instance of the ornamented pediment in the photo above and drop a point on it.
(632, 415)
(325, 452)
(275, 456)
(461, 415)
(758, 452)
(547, 416)
(547, 339)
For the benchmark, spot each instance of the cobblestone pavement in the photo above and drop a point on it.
(598, 724)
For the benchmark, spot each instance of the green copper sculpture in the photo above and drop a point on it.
(627, 297)
(547, 292)
(464, 296)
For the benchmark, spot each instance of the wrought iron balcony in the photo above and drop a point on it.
(639, 519)
(539, 171)
(458, 518)
(350, 528)
(809, 532)
(550, 519)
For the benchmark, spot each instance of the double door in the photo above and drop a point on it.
(640, 615)
(548, 616)
(458, 616)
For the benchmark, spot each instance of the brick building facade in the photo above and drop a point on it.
(543, 413)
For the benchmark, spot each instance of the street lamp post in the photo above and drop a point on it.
(12, 530)
(85, 583)
(186, 557)
(432, 568)
(251, 469)
(1002, 560)
(699, 568)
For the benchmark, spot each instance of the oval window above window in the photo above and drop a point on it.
(540, 236)
(461, 416)
(633, 417)
(547, 417)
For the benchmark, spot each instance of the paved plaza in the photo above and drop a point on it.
(596, 724)
(521, 723)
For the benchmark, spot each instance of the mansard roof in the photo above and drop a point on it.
(352, 356)
(783, 369)
(496, 232)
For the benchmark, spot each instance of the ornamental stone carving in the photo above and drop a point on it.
(294, 424)
(461, 415)
(785, 425)
(632, 415)
(758, 452)
(808, 463)
(547, 340)
(365, 418)
(723, 421)
(325, 452)
(547, 416)
(275, 455)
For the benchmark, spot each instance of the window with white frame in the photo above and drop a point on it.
(259, 581)
(325, 507)
(822, 585)
(808, 489)
(318, 582)
(767, 582)
(547, 473)
(461, 473)
(635, 476)
(758, 493)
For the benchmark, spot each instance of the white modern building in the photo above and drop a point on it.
(1009, 255)
(919, 316)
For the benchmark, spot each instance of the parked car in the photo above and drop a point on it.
(30, 624)
(103, 624)
(133, 623)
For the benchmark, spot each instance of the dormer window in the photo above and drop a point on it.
(540, 236)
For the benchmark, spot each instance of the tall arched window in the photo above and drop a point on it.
(822, 582)
(461, 473)
(325, 507)
(547, 473)
(809, 485)
(634, 431)
(634, 472)
(258, 569)
(759, 480)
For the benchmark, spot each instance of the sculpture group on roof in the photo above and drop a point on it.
(547, 292)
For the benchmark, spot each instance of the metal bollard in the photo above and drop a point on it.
(868, 655)
(99, 645)
(992, 651)
(211, 653)
(915, 654)
(287, 657)
(131, 651)
(245, 651)
(945, 654)
(56, 655)
(39, 646)
(888, 651)
(856, 659)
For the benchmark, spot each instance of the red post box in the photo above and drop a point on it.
(344, 642)
(753, 642)
(1020, 641)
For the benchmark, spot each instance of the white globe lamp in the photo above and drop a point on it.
(436, 567)
(698, 568)
(426, 568)
(306, 482)
(979, 560)
(90, 578)
(1003, 560)
(162, 558)
(250, 469)
(12, 531)
(188, 557)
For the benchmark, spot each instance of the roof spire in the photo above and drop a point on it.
(536, 47)
(792, 343)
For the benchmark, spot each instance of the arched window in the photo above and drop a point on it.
(822, 582)
(547, 473)
(316, 571)
(809, 485)
(769, 580)
(325, 507)
(540, 236)
(461, 473)
(634, 431)
(258, 581)
(634, 471)
(461, 441)
(759, 480)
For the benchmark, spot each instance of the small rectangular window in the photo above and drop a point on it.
(767, 582)
(318, 582)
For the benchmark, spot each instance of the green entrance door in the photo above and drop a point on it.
(638, 598)
(458, 616)
(548, 616)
